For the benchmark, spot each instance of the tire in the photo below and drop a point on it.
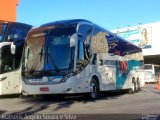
(94, 89)
(138, 85)
(133, 88)
(21, 96)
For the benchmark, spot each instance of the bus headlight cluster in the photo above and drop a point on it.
(26, 81)
(66, 77)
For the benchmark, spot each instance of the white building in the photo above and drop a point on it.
(147, 37)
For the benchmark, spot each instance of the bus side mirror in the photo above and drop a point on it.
(73, 39)
(13, 48)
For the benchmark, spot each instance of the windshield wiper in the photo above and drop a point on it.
(41, 52)
(43, 73)
(32, 74)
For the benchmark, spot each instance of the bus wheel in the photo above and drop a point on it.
(94, 89)
(133, 88)
(138, 85)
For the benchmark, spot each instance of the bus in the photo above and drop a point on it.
(78, 56)
(12, 36)
(151, 73)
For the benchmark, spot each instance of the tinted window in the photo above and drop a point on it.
(156, 69)
(84, 39)
(146, 67)
(113, 44)
(17, 32)
(7, 60)
(85, 31)
(3, 28)
(49, 50)
(99, 40)
(59, 52)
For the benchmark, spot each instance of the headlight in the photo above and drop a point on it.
(66, 77)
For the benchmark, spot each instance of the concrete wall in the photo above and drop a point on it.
(8, 9)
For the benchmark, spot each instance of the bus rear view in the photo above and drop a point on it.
(151, 73)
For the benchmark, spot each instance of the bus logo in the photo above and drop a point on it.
(123, 66)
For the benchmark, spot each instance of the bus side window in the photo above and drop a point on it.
(99, 40)
(3, 28)
(84, 40)
(94, 61)
(80, 50)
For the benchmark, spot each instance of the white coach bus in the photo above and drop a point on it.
(151, 73)
(12, 36)
(77, 56)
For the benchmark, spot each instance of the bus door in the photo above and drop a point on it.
(10, 73)
(7, 82)
(6, 68)
(17, 81)
(11, 82)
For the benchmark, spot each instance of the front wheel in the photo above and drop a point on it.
(94, 89)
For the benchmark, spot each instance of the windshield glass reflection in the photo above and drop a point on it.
(3, 28)
(49, 51)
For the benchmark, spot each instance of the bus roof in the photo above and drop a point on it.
(11, 22)
(65, 22)
(47, 26)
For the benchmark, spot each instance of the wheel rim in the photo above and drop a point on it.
(93, 89)
(133, 87)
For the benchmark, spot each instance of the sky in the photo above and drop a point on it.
(109, 14)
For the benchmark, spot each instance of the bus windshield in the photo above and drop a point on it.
(49, 51)
(3, 28)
